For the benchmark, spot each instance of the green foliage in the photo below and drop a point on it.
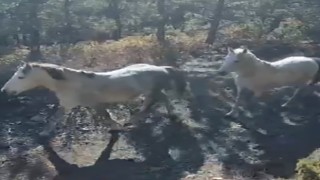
(70, 21)
(11, 59)
(87, 17)
(294, 31)
(308, 170)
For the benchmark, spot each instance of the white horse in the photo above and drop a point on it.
(259, 76)
(75, 88)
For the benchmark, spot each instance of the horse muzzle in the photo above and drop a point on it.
(222, 73)
(12, 93)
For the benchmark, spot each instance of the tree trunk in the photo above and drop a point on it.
(67, 31)
(25, 39)
(162, 21)
(16, 38)
(114, 5)
(214, 23)
(275, 23)
(35, 54)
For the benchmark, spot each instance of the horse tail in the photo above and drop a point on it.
(316, 77)
(178, 78)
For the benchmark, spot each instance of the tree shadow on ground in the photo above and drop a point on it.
(169, 144)
(265, 138)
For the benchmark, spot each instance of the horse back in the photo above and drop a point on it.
(136, 77)
(306, 66)
(316, 77)
(297, 65)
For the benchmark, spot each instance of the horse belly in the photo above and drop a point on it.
(253, 83)
(69, 101)
(118, 96)
(293, 78)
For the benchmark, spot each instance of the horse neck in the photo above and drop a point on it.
(265, 66)
(46, 81)
(250, 68)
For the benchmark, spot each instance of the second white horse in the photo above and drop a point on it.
(259, 76)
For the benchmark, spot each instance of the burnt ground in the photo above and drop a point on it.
(201, 144)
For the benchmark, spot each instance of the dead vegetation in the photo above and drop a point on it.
(135, 49)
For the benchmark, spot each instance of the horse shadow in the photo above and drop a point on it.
(169, 148)
(158, 163)
(290, 134)
(264, 138)
(103, 168)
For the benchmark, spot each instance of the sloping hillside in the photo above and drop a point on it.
(264, 142)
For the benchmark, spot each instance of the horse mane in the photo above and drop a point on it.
(250, 55)
(264, 63)
(58, 72)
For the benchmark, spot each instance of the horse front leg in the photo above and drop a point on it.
(53, 121)
(235, 108)
(103, 117)
(169, 107)
(70, 123)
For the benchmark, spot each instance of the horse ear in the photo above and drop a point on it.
(230, 50)
(26, 67)
(22, 64)
(245, 50)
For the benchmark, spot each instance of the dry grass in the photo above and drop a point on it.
(309, 168)
(189, 44)
(10, 60)
(115, 54)
(290, 30)
(133, 49)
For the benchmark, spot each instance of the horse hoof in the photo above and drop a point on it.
(172, 117)
(45, 136)
(129, 126)
(43, 139)
(284, 107)
(231, 115)
(115, 131)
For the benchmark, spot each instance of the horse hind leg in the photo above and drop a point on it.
(295, 93)
(298, 90)
(148, 103)
(160, 96)
(169, 107)
(146, 107)
(150, 100)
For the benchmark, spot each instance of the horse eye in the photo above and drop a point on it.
(236, 61)
(20, 77)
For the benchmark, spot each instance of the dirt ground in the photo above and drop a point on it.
(265, 141)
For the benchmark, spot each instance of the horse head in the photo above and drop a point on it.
(237, 60)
